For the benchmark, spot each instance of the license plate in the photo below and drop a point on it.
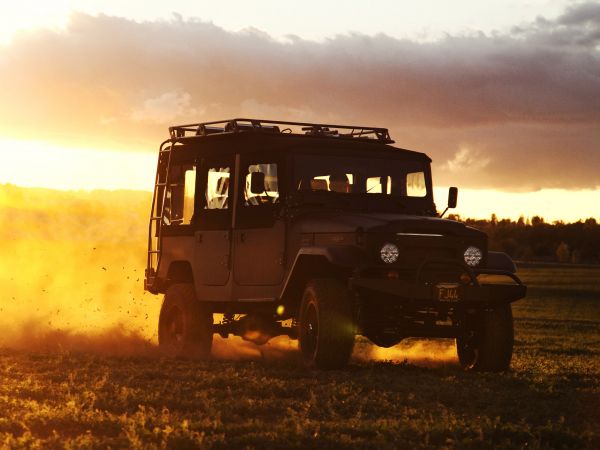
(448, 292)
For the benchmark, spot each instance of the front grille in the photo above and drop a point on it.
(414, 249)
(412, 256)
(416, 255)
(432, 274)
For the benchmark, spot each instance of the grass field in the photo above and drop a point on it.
(550, 399)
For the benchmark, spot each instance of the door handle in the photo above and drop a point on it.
(242, 237)
(199, 238)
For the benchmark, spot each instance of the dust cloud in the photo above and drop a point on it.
(429, 353)
(71, 270)
(424, 353)
(71, 280)
(113, 341)
(235, 348)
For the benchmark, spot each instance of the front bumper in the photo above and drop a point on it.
(427, 293)
(404, 291)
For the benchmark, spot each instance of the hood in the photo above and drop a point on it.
(347, 222)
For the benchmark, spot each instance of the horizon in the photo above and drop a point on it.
(464, 214)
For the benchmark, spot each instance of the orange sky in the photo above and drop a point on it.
(512, 117)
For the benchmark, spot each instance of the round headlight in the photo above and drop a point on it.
(473, 256)
(389, 253)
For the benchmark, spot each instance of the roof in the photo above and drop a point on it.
(267, 134)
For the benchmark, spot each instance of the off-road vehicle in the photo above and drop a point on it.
(320, 232)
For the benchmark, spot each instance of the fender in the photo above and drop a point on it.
(500, 261)
(179, 271)
(314, 262)
(339, 255)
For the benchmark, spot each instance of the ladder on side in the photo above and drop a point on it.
(156, 215)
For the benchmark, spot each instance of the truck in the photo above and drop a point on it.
(322, 233)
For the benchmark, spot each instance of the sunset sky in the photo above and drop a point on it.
(503, 95)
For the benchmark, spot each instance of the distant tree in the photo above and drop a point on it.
(537, 221)
(510, 246)
(527, 254)
(563, 254)
(576, 256)
(537, 240)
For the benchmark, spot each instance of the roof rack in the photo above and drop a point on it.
(380, 135)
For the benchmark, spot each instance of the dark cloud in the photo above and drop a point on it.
(518, 110)
(587, 13)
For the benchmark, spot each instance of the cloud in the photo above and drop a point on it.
(583, 14)
(529, 99)
(466, 159)
(165, 107)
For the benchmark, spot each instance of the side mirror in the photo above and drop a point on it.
(452, 197)
(257, 182)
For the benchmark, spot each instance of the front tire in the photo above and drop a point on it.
(326, 328)
(185, 324)
(487, 344)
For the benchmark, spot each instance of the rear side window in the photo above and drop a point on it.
(189, 190)
(179, 199)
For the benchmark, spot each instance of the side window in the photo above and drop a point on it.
(179, 198)
(270, 194)
(217, 188)
(214, 187)
(415, 184)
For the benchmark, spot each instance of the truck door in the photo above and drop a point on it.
(259, 235)
(212, 239)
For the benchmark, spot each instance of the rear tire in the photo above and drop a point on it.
(487, 345)
(326, 327)
(185, 324)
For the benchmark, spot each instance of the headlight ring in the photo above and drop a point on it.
(389, 253)
(473, 256)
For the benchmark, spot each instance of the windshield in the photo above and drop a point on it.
(381, 177)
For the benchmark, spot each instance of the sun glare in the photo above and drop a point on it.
(38, 164)
(27, 15)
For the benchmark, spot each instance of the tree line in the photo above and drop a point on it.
(536, 240)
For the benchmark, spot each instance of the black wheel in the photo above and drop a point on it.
(185, 324)
(487, 345)
(326, 327)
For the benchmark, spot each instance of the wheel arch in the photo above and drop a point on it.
(180, 272)
(313, 263)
